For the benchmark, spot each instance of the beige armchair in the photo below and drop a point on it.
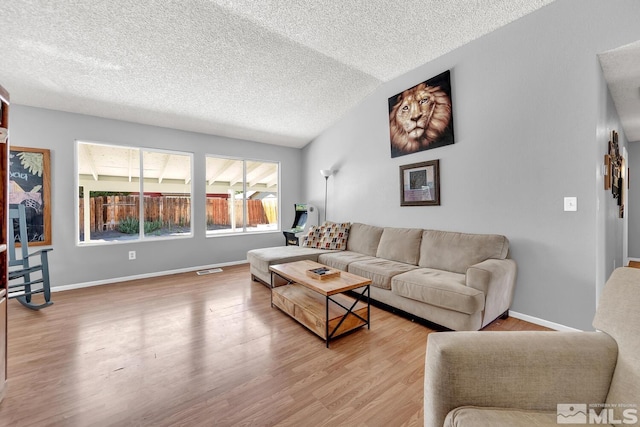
(541, 378)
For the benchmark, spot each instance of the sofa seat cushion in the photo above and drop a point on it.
(265, 257)
(342, 259)
(440, 288)
(499, 417)
(379, 271)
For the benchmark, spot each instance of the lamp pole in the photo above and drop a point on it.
(326, 173)
(326, 182)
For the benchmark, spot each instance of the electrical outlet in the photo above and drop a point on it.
(132, 255)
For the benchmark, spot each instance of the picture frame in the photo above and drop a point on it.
(420, 184)
(607, 172)
(421, 117)
(30, 185)
(614, 173)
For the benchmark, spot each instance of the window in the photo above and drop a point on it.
(111, 183)
(242, 196)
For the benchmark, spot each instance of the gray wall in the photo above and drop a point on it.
(610, 232)
(72, 265)
(633, 205)
(531, 126)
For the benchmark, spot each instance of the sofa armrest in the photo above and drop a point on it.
(532, 370)
(497, 279)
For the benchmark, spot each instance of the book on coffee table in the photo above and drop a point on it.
(322, 273)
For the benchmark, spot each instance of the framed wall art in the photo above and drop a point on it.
(614, 178)
(30, 184)
(421, 117)
(607, 172)
(420, 184)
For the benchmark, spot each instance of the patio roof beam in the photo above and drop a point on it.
(251, 166)
(163, 172)
(88, 160)
(130, 164)
(262, 178)
(219, 171)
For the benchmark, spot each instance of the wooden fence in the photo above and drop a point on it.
(258, 212)
(108, 211)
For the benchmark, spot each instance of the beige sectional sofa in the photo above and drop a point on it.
(457, 280)
(541, 378)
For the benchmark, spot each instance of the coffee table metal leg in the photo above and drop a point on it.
(326, 320)
(272, 289)
(369, 307)
(347, 313)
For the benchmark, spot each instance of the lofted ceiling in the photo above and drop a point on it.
(273, 71)
(621, 68)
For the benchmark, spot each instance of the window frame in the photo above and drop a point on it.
(140, 190)
(244, 231)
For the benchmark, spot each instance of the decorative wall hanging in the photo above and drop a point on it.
(421, 118)
(29, 184)
(607, 172)
(420, 184)
(614, 165)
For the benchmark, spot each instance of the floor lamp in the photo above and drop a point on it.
(326, 173)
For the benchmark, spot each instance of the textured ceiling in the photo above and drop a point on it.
(621, 69)
(273, 71)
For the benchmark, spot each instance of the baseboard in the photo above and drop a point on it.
(542, 322)
(142, 276)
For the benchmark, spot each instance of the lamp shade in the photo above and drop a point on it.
(326, 172)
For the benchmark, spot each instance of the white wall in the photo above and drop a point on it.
(72, 265)
(527, 103)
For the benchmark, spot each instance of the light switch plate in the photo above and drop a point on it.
(570, 204)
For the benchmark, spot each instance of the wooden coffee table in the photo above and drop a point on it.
(320, 305)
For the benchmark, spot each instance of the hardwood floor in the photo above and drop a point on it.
(206, 350)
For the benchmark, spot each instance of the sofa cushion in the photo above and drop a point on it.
(449, 251)
(490, 417)
(265, 257)
(400, 244)
(335, 235)
(364, 238)
(440, 288)
(330, 235)
(313, 238)
(379, 271)
(341, 259)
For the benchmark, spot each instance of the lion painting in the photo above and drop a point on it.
(420, 118)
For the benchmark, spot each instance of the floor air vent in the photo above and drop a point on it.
(209, 271)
